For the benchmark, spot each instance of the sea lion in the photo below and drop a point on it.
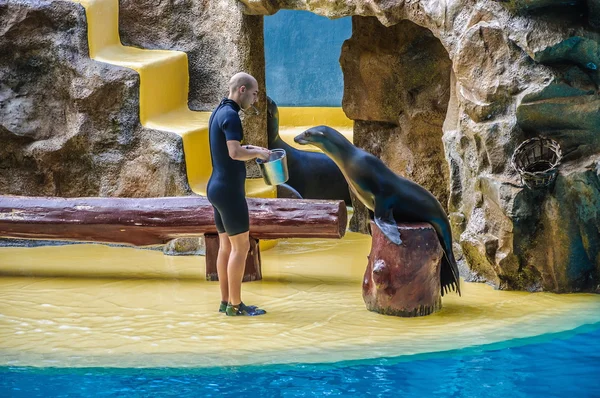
(391, 197)
(313, 175)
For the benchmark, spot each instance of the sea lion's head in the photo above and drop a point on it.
(325, 138)
(316, 136)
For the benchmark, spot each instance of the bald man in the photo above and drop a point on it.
(226, 191)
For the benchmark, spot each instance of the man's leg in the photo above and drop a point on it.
(240, 244)
(222, 261)
(235, 220)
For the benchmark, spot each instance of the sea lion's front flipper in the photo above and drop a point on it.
(384, 219)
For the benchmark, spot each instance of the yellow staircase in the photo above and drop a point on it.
(164, 86)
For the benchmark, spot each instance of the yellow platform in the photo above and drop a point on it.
(93, 305)
(313, 116)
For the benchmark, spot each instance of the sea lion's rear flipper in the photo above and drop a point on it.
(384, 219)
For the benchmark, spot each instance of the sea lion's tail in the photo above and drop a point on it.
(449, 277)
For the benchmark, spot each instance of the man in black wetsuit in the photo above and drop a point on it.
(226, 191)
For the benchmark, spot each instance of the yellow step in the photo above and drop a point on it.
(193, 128)
(164, 77)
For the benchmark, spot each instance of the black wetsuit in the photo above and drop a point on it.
(226, 189)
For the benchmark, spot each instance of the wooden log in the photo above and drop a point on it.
(252, 271)
(404, 280)
(152, 221)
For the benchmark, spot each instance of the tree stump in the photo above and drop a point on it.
(252, 271)
(404, 280)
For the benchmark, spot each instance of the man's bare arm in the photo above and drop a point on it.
(238, 151)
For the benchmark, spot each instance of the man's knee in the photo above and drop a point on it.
(243, 247)
(224, 243)
(240, 243)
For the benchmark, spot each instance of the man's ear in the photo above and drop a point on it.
(242, 89)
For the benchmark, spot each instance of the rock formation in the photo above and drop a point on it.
(513, 70)
(219, 40)
(396, 88)
(70, 125)
(442, 91)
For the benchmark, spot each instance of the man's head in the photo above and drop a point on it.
(243, 89)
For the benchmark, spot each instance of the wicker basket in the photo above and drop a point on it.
(537, 161)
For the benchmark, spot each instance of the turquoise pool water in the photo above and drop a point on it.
(565, 364)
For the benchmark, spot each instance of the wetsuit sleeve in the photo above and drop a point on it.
(232, 127)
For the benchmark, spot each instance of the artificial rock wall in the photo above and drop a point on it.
(70, 125)
(219, 40)
(396, 88)
(512, 70)
(446, 99)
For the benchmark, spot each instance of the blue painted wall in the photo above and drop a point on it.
(302, 52)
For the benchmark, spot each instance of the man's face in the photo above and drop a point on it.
(249, 95)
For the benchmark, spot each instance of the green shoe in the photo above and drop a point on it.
(223, 307)
(243, 310)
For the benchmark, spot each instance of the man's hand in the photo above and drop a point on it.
(263, 153)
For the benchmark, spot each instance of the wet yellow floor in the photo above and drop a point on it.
(98, 312)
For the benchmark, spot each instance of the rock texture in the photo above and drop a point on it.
(185, 247)
(219, 40)
(442, 91)
(519, 69)
(554, 236)
(69, 125)
(396, 88)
